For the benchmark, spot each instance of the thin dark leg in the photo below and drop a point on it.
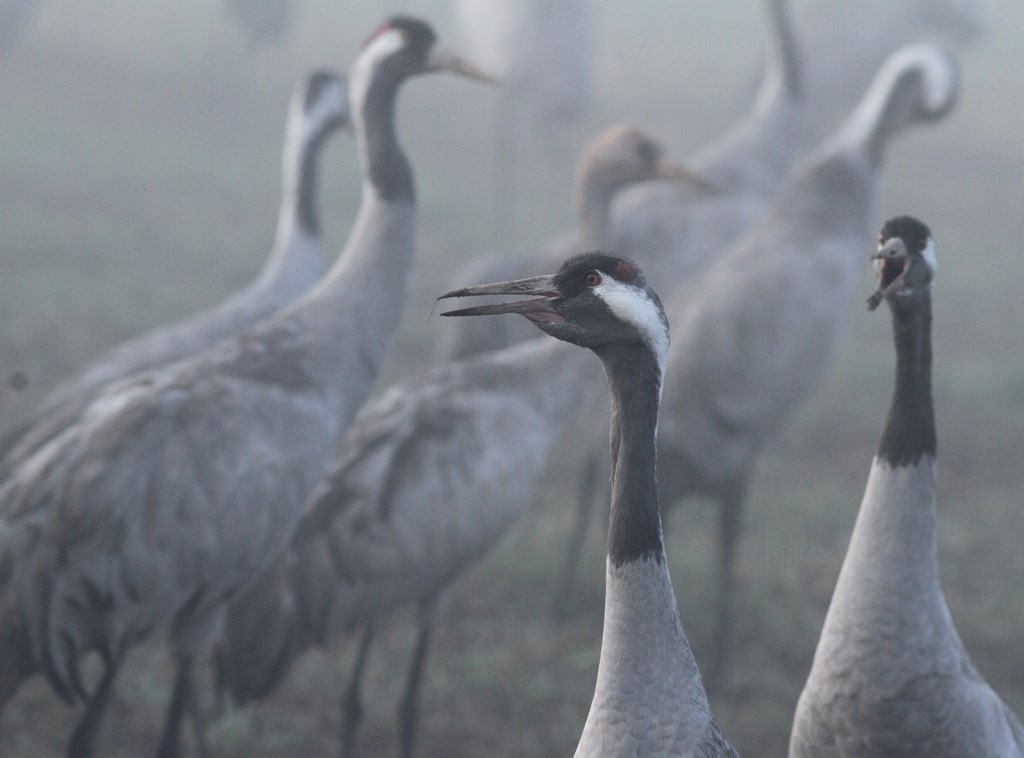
(170, 740)
(198, 719)
(408, 709)
(585, 508)
(351, 706)
(83, 739)
(731, 514)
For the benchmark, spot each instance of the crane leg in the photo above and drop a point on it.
(585, 508)
(183, 701)
(352, 706)
(83, 739)
(408, 708)
(730, 522)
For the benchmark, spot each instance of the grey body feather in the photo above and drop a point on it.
(296, 261)
(175, 488)
(429, 477)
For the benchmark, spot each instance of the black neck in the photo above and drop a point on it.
(386, 166)
(910, 427)
(634, 530)
(305, 207)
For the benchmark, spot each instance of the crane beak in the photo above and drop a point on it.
(891, 263)
(672, 171)
(540, 308)
(440, 59)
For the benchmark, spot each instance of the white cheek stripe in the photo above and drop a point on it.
(384, 44)
(635, 307)
(929, 256)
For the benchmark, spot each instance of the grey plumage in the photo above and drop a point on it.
(621, 156)
(649, 699)
(890, 674)
(176, 487)
(845, 41)
(756, 332)
(429, 477)
(318, 107)
(673, 229)
(543, 51)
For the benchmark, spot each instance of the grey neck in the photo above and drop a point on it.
(634, 530)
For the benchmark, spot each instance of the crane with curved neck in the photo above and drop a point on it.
(759, 328)
(174, 489)
(622, 156)
(319, 107)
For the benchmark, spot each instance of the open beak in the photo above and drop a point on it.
(891, 262)
(540, 308)
(672, 171)
(441, 59)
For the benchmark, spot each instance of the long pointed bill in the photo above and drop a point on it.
(672, 171)
(892, 263)
(540, 308)
(440, 59)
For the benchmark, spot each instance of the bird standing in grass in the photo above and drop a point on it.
(759, 328)
(890, 674)
(429, 477)
(649, 699)
(175, 488)
(319, 107)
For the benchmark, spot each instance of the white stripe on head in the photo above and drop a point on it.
(636, 307)
(929, 256)
(386, 43)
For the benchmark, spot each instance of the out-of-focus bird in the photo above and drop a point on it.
(319, 106)
(543, 51)
(756, 332)
(845, 42)
(649, 698)
(673, 229)
(890, 674)
(175, 488)
(428, 479)
(621, 156)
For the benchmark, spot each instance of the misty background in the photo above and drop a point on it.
(139, 182)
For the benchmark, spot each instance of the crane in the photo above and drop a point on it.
(890, 675)
(758, 329)
(176, 487)
(649, 698)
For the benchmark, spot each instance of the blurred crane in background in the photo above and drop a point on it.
(756, 332)
(544, 53)
(429, 478)
(175, 488)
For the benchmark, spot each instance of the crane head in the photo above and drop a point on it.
(904, 261)
(596, 300)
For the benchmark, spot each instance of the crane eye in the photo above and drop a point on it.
(922, 245)
(592, 279)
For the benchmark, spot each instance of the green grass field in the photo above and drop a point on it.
(139, 159)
